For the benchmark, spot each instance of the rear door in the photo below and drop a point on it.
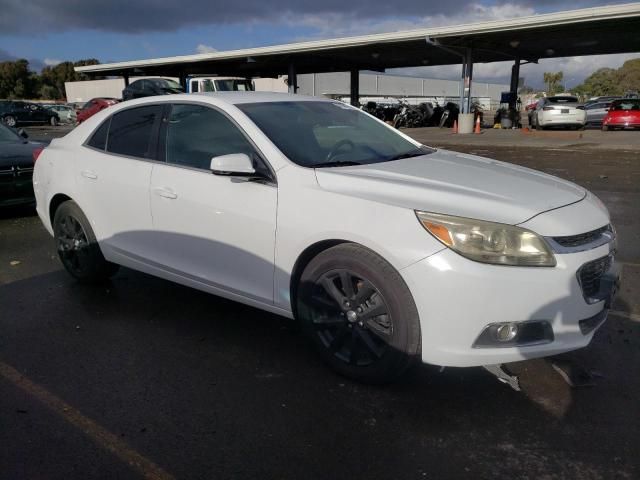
(113, 177)
(218, 230)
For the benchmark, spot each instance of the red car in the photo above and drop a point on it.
(93, 106)
(623, 113)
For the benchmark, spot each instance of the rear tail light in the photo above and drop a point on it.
(546, 109)
(580, 107)
(36, 153)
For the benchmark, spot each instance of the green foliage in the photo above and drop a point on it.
(553, 80)
(17, 81)
(610, 81)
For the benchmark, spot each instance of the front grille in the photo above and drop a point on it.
(11, 174)
(591, 273)
(582, 238)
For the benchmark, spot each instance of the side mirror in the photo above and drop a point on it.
(233, 164)
(22, 133)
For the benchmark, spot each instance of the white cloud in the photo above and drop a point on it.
(51, 62)
(575, 69)
(341, 24)
(202, 48)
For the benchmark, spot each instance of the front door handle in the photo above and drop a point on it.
(89, 174)
(165, 193)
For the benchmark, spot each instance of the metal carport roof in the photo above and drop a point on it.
(590, 31)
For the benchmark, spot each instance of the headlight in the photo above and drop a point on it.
(489, 242)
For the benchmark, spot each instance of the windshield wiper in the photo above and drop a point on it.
(337, 163)
(407, 155)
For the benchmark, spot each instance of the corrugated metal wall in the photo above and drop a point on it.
(372, 84)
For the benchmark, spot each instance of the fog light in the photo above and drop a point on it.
(506, 332)
(512, 334)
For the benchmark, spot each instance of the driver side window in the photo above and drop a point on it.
(197, 133)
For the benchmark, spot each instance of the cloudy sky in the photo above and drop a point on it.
(48, 31)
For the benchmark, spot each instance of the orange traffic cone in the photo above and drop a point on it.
(477, 129)
(455, 126)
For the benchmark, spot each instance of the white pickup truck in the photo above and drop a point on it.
(219, 84)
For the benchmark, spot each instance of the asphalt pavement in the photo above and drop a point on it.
(142, 378)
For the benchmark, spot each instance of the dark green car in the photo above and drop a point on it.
(18, 112)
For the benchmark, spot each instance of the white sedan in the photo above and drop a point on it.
(386, 251)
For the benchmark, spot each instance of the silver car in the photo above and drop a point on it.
(596, 112)
(66, 113)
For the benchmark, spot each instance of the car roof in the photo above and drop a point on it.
(236, 98)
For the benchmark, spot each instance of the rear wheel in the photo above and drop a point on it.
(77, 246)
(606, 128)
(10, 120)
(359, 314)
(53, 121)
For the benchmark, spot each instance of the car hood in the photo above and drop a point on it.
(17, 154)
(455, 184)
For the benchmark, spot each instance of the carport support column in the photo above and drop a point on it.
(467, 80)
(183, 80)
(355, 87)
(126, 80)
(292, 79)
(515, 78)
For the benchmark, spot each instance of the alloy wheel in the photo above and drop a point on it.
(72, 244)
(350, 317)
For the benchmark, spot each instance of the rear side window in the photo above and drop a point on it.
(197, 133)
(99, 138)
(132, 131)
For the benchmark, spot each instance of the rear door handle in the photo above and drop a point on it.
(88, 174)
(165, 192)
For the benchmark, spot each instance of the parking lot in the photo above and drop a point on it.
(143, 377)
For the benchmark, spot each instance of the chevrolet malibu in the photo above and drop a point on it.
(385, 250)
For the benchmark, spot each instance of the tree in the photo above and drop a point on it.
(55, 77)
(611, 81)
(553, 81)
(16, 80)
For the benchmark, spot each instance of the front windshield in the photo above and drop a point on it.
(322, 134)
(233, 85)
(7, 136)
(207, 86)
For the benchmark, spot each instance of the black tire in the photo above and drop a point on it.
(77, 246)
(10, 121)
(53, 121)
(368, 328)
(606, 128)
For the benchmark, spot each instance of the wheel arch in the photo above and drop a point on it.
(303, 260)
(57, 200)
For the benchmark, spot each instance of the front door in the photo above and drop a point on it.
(218, 230)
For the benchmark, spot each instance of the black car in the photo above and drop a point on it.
(148, 87)
(16, 167)
(15, 112)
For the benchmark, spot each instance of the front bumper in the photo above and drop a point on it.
(458, 298)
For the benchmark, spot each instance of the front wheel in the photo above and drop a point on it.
(359, 314)
(53, 121)
(77, 246)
